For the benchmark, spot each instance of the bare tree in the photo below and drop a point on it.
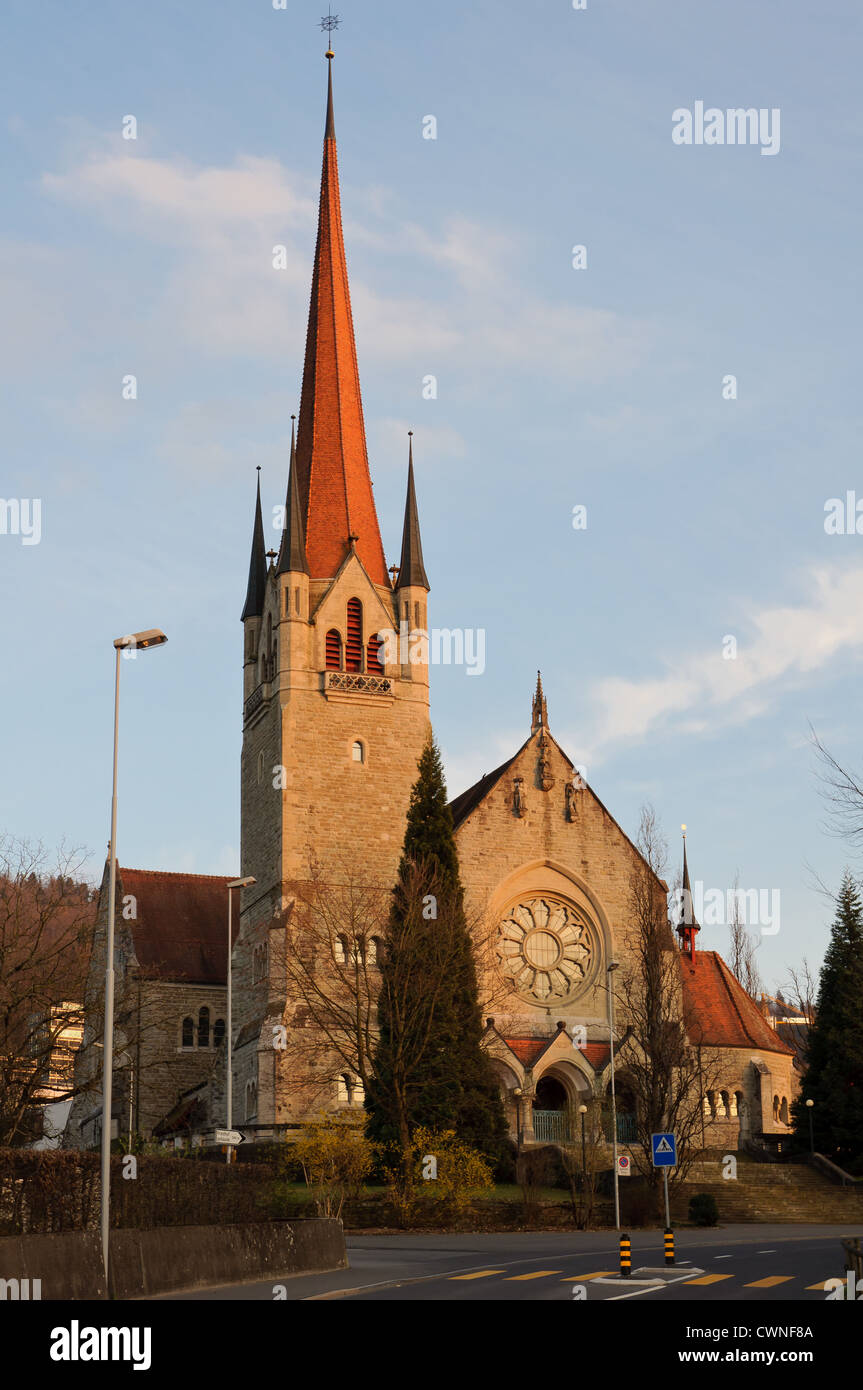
(744, 945)
(842, 790)
(800, 999)
(46, 927)
(665, 1066)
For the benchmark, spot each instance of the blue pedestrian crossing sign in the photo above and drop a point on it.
(664, 1149)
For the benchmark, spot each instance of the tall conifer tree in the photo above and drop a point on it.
(834, 1055)
(430, 1067)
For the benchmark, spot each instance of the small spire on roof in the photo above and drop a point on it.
(687, 926)
(539, 711)
(292, 552)
(411, 567)
(257, 586)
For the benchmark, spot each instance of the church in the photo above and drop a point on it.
(335, 717)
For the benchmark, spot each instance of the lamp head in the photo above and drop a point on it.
(140, 641)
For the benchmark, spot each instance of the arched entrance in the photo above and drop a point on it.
(551, 1121)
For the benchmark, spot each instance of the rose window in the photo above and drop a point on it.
(545, 949)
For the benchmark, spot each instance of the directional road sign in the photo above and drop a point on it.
(229, 1136)
(664, 1150)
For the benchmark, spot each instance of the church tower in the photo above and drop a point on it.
(335, 712)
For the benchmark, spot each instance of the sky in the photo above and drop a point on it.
(690, 634)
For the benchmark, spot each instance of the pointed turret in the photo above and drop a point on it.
(411, 568)
(257, 586)
(292, 552)
(687, 926)
(335, 487)
(539, 713)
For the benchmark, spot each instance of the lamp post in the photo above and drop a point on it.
(610, 968)
(809, 1105)
(588, 1195)
(136, 642)
(235, 883)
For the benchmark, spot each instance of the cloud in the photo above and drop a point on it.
(702, 690)
(464, 305)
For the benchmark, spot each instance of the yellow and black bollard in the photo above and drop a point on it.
(669, 1246)
(625, 1257)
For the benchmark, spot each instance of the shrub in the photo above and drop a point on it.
(703, 1210)
(335, 1158)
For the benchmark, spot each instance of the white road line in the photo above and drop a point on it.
(636, 1293)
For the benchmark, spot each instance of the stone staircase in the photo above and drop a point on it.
(791, 1192)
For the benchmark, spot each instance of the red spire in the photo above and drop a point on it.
(332, 460)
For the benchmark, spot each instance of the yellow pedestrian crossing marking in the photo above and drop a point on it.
(822, 1286)
(581, 1278)
(537, 1274)
(480, 1274)
(769, 1282)
(710, 1279)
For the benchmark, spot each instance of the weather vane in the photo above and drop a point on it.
(329, 22)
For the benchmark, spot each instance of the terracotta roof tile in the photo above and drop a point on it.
(333, 476)
(719, 1011)
(180, 929)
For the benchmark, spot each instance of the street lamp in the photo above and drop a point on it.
(235, 883)
(609, 969)
(809, 1105)
(136, 642)
(582, 1110)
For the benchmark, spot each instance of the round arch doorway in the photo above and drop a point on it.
(550, 1111)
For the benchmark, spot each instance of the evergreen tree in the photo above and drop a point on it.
(834, 1053)
(430, 1068)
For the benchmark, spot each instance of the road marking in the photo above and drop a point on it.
(723, 1257)
(580, 1278)
(766, 1252)
(769, 1282)
(537, 1274)
(710, 1279)
(636, 1293)
(480, 1274)
(822, 1286)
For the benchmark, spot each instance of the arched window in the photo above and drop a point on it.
(334, 650)
(218, 1032)
(374, 651)
(343, 1090)
(776, 1107)
(204, 1027)
(373, 953)
(354, 641)
(340, 951)
(188, 1032)
(251, 1100)
(358, 753)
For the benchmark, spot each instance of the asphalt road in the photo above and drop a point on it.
(739, 1263)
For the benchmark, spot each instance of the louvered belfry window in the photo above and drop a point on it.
(354, 642)
(374, 664)
(334, 650)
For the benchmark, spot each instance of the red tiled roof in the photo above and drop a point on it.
(597, 1054)
(181, 925)
(719, 1011)
(528, 1050)
(335, 485)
